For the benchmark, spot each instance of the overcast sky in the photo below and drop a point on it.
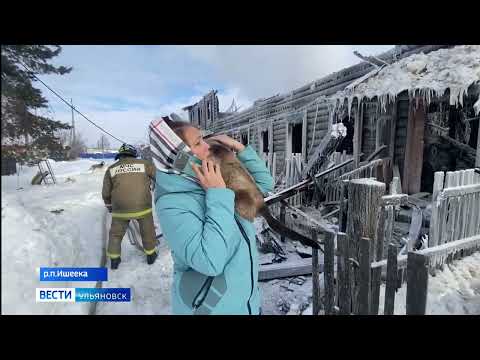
(122, 88)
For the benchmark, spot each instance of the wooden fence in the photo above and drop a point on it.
(455, 206)
(359, 252)
(271, 163)
(333, 186)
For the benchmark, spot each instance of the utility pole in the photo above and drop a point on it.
(73, 124)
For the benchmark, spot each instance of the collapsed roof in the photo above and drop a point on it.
(427, 75)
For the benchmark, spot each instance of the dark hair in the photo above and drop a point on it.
(179, 127)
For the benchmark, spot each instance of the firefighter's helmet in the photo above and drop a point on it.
(127, 150)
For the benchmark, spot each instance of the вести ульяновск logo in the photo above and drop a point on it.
(83, 294)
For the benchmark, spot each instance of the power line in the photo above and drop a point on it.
(72, 107)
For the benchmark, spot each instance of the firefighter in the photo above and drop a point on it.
(126, 194)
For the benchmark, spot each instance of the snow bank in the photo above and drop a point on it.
(34, 237)
(453, 291)
(61, 169)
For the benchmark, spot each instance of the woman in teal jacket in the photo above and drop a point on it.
(213, 248)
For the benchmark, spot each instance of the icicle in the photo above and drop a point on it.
(453, 93)
(432, 95)
(426, 98)
(476, 107)
(464, 93)
(350, 100)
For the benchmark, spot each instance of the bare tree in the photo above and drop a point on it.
(103, 143)
(64, 136)
(77, 146)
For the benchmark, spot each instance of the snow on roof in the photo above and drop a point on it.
(429, 75)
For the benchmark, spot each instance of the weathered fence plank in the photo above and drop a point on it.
(417, 283)
(344, 294)
(440, 250)
(461, 190)
(395, 200)
(442, 222)
(341, 220)
(364, 199)
(389, 225)
(378, 255)
(391, 283)
(287, 269)
(437, 188)
(365, 259)
(315, 279)
(415, 227)
(329, 272)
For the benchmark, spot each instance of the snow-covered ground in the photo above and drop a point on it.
(150, 284)
(453, 291)
(33, 237)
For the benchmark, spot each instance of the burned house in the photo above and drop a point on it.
(411, 117)
(205, 113)
(425, 109)
(415, 105)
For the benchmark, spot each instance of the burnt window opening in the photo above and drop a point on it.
(347, 142)
(474, 124)
(439, 154)
(297, 138)
(454, 123)
(244, 138)
(209, 112)
(265, 141)
(462, 129)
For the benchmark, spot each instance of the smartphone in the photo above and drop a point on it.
(183, 162)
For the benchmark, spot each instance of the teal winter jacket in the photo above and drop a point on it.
(213, 248)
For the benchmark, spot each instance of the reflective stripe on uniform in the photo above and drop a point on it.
(149, 252)
(113, 256)
(131, 215)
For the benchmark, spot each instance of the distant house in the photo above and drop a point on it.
(11, 148)
(94, 153)
(205, 113)
(9, 164)
(421, 101)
